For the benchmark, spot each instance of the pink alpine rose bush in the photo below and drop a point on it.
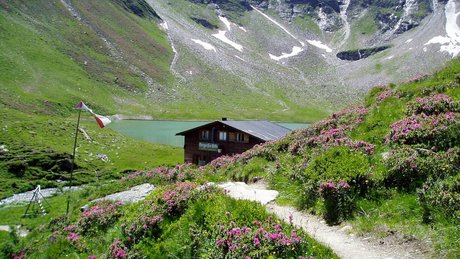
(117, 250)
(258, 240)
(183, 172)
(99, 216)
(167, 203)
(386, 93)
(338, 202)
(432, 104)
(408, 168)
(443, 194)
(427, 130)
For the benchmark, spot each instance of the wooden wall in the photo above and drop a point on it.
(192, 154)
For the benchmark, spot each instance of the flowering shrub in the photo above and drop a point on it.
(416, 78)
(408, 168)
(330, 138)
(174, 200)
(146, 224)
(259, 240)
(338, 203)
(430, 130)
(349, 117)
(20, 255)
(441, 195)
(433, 104)
(169, 202)
(72, 237)
(101, 215)
(184, 172)
(117, 250)
(388, 92)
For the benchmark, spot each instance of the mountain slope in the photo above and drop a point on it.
(288, 47)
(160, 59)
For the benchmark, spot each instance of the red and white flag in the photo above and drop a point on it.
(101, 120)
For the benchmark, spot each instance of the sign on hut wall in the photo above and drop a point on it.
(205, 146)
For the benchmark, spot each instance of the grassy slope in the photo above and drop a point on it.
(50, 61)
(386, 212)
(36, 136)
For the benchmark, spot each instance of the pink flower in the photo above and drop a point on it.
(256, 241)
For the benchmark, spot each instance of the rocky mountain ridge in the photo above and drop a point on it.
(304, 42)
(282, 60)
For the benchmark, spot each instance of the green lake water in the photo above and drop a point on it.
(164, 132)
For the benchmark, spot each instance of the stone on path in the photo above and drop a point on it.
(22, 232)
(240, 190)
(135, 194)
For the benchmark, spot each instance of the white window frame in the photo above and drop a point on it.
(223, 136)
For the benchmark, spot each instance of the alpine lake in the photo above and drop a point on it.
(164, 132)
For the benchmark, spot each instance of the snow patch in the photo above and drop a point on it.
(390, 57)
(279, 25)
(295, 51)
(221, 36)
(408, 41)
(164, 25)
(240, 58)
(451, 42)
(320, 45)
(242, 28)
(205, 45)
(225, 21)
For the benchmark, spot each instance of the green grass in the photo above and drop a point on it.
(401, 214)
(306, 23)
(364, 26)
(177, 237)
(42, 135)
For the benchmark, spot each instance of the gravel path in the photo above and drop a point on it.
(343, 244)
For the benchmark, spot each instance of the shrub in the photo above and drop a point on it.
(441, 195)
(99, 216)
(117, 250)
(425, 130)
(338, 164)
(260, 239)
(169, 202)
(330, 138)
(338, 202)
(184, 172)
(408, 168)
(432, 104)
(386, 93)
(18, 167)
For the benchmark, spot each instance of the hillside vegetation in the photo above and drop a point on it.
(389, 167)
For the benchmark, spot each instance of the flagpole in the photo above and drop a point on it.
(73, 160)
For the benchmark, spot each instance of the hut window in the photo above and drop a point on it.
(204, 134)
(222, 136)
(240, 137)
